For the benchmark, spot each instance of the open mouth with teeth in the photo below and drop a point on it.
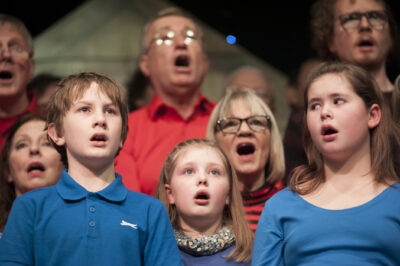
(245, 149)
(182, 61)
(99, 138)
(5, 75)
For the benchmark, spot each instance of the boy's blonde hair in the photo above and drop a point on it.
(72, 88)
(233, 215)
(275, 167)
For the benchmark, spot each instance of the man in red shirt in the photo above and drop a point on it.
(16, 69)
(174, 61)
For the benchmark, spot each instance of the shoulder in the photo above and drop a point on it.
(143, 201)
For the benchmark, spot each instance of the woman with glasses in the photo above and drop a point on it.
(246, 130)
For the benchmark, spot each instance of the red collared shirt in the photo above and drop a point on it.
(7, 122)
(154, 131)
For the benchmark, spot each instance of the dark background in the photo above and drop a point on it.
(276, 31)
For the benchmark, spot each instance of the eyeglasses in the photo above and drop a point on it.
(256, 123)
(168, 37)
(376, 19)
(14, 51)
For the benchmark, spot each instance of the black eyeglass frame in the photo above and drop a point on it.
(219, 123)
(368, 15)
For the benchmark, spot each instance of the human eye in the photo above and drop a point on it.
(351, 17)
(83, 109)
(228, 123)
(314, 106)
(257, 121)
(189, 171)
(20, 145)
(215, 172)
(338, 101)
(111, 110)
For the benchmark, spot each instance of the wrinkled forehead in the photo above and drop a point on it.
(348, 6)
(176, 23)
(12, 30)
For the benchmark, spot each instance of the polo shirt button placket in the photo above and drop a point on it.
(91, 203)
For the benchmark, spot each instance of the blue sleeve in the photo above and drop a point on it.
(268, 242)
(16, 243)
(160, 247)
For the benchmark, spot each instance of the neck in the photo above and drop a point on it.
(183, 104)
(351, 171)
(196, 227)
(93, 179)
(381, 78)
(251, 182)
(13, 106)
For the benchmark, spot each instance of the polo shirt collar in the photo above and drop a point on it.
(156, 105)
(69, 189)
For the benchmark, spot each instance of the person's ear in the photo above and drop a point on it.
(54, 135)
(374, 116)
(170, 196)
(144, 65)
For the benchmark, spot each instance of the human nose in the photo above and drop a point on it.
(34, 149)
(364, 23)
(202, 179)
(180, 40)
(5, 52)
(99, 120)
(244, 127)
(326, 112)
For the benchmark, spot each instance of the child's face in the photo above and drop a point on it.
(92, 129)
(199, 186)
(33, 161)
(338, 119)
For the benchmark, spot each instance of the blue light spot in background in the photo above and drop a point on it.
(231, 39)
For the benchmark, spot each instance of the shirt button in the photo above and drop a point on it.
(92, 223)
(92, 209)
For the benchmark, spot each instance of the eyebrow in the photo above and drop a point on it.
(333, 95)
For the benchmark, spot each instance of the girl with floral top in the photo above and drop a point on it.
(200, 191)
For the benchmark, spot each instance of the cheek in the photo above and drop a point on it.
(224, 142)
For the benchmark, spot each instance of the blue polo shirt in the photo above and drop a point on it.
(67, 225)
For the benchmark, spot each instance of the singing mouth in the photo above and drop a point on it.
(6, 75)
(182, 61)
(245, 149)
(328, 131)
(36, 167)
(99, 137)
(202, 195)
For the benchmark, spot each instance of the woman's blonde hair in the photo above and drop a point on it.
(233, 214)
(384, 141)
(275, 167)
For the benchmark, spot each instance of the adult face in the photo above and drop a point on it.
(33, 161)
(16, 65)
(247, 150)
(175, 65)
(365, 45)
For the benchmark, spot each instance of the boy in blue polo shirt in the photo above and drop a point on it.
(88, 217)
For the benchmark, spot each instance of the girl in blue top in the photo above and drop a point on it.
(200, 191)
(343, 208)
